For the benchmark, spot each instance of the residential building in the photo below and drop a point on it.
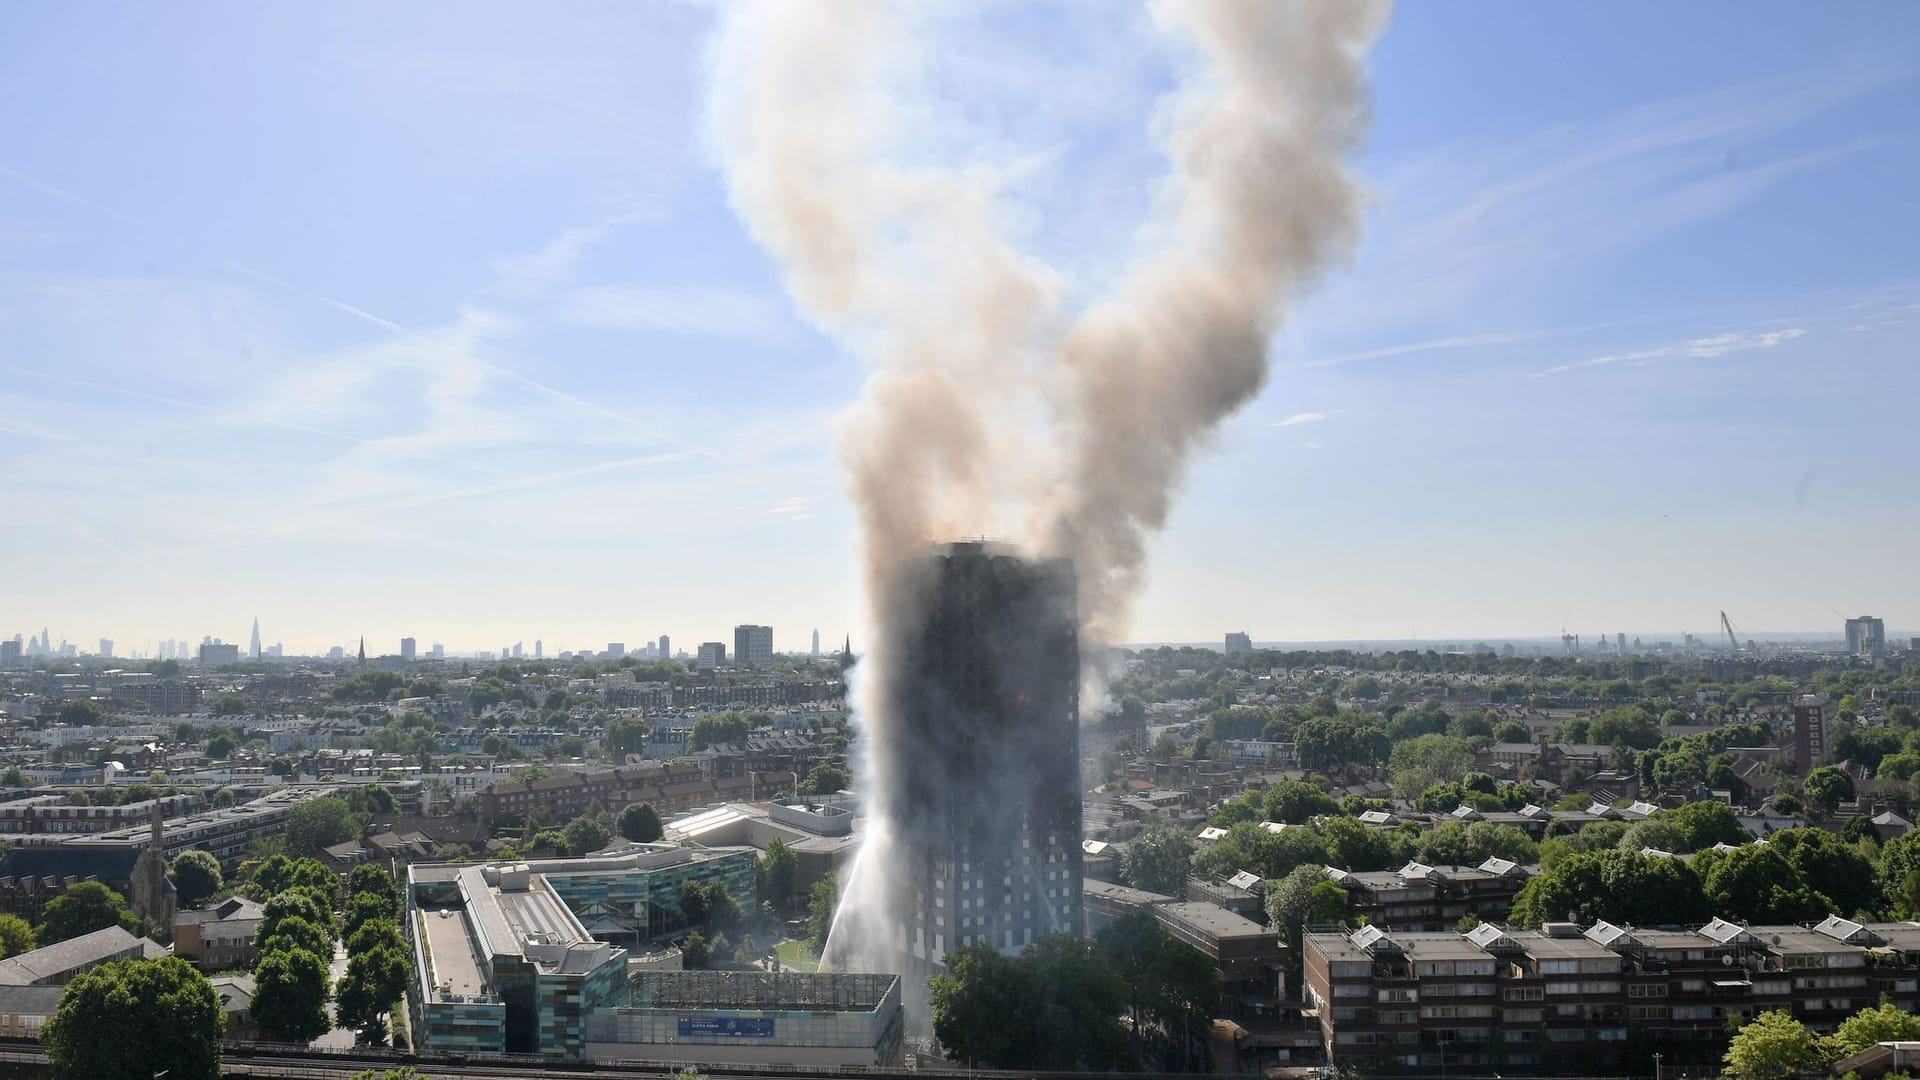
(988, 766)
(219, 937)
(1867, 636)
(712, 654)
(1249, 957)
(215, 652)
(672, 788)
(408, 648)
(753, 646)
(1560, 999)
(58, 963)
(1421, 897)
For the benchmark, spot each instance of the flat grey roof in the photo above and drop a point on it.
(1212, 920)
(456, 967)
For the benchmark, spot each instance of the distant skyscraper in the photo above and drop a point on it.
(106, 646)
(539, 649)
(438, 652)
(712, 655)
(253, 643)
(816, 642)
(616, 650)
(753, 645)
(407, 649)
(1620, 641)
(1239, 642)
(1867, 636)
(666, 648)
(10, 650)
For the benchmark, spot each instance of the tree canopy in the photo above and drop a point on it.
(196, 876)
(1621, 887)
(1158, 860)
(82, 908)
(290, 996)
(321, 823)
(136, 1019)
(640, 823)
(1055, 1006)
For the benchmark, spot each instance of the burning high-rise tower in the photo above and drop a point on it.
(977, 773)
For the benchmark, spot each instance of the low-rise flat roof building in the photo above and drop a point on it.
(753, 1017)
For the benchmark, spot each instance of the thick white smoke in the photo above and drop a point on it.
(989, 408)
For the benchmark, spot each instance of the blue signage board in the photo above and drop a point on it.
(727, 1026)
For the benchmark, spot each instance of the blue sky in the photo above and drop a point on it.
(435, 321)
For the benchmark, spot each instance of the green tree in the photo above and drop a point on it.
(372, 878)
(1771, 1046)
(1301, 899)
(623, 737)
(1057, 1007)
(366, 909)
(83, 712)
(82, 908)
(822, 901)
(196, 876)
(1885, 1022)
(825, 779)
(779, 869)
(277, 874)
(230, 704)
(694, 951)
(1621, 887)
(136, 1019)
(1827, 787)
(321, 823)
(1296, 802)
(718, 728)
(16, 936)
(290, 996)
(1759, 885)
(640, 823)
(586, 834)
(221, 746)
(1422, 762)
(375, 978)
(1457, 843)
(1158, 860)
(1831, 866)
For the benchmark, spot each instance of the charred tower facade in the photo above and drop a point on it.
(988, 802)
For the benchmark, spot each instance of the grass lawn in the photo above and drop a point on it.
(797, 956)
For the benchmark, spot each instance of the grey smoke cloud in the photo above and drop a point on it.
(990, 408)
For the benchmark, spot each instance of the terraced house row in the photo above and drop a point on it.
(1567, 999)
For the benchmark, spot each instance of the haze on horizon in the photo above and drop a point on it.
(437, 322)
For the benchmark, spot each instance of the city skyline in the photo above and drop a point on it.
(1629, 344)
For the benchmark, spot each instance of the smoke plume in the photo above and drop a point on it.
(990, 408)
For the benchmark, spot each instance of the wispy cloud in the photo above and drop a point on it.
(1300, 418)
(1700, 348)
(1483, 221)
(15, 426)
(57, 192)
(695, 311)
(794, 509)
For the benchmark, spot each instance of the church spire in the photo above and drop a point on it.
(363, 650)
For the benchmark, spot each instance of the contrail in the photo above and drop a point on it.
(989, 408)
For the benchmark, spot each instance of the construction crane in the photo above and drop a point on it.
(1727, 624)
